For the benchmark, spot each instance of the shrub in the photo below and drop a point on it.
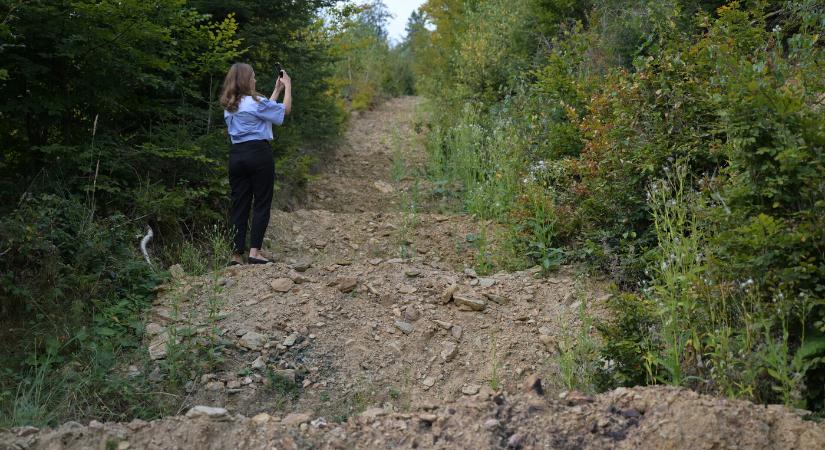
(112, 123)
(719, 108)
(81, 290)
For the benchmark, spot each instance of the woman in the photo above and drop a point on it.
(249, 117)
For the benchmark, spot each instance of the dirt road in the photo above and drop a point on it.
(372, 330)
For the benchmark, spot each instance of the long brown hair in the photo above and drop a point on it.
(238, 82)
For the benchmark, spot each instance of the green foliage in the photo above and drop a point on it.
(747, 101)
(676, 146)
(112, 123)
(578, 356)
(57, 256)
(483, 260)
(553, 13)
(82, 293)
(368, 68)
(679, 267)
(495, 378)
(283, 386)
(626, 341)
(206, 254)
(493, 48)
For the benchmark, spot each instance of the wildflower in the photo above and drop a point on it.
(608, 364)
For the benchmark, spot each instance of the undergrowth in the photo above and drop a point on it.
(136, 138)
(92, 363)
(676, 147)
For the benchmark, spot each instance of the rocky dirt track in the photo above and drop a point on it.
(370, 330)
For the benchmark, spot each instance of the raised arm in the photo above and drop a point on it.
(284, 84)
(279, 87)
(287, 84)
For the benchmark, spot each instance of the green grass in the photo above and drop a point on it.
(32, 400)
(84, 375)
(349, 404)
(483, 256)
(283, 390)
(495, 377)
(577, 356)
(409, 204)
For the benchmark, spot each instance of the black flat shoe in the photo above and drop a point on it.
(252, 260)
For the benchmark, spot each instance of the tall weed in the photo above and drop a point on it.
(578, 358)
(722, 264)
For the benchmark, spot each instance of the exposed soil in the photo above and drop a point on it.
(371, 331)
(640, 418)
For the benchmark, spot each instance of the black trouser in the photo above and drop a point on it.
(251, 177)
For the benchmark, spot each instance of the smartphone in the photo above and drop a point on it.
(280, 69)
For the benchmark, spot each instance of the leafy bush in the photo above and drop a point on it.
(368, 69)
(80, 290)
(676, 146)
(113, 124)
(750, 138)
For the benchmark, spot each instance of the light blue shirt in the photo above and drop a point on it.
(253, 119)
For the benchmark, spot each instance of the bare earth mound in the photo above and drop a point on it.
(639, 418)
(371, 331)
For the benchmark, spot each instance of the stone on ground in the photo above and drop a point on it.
(210, 412)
